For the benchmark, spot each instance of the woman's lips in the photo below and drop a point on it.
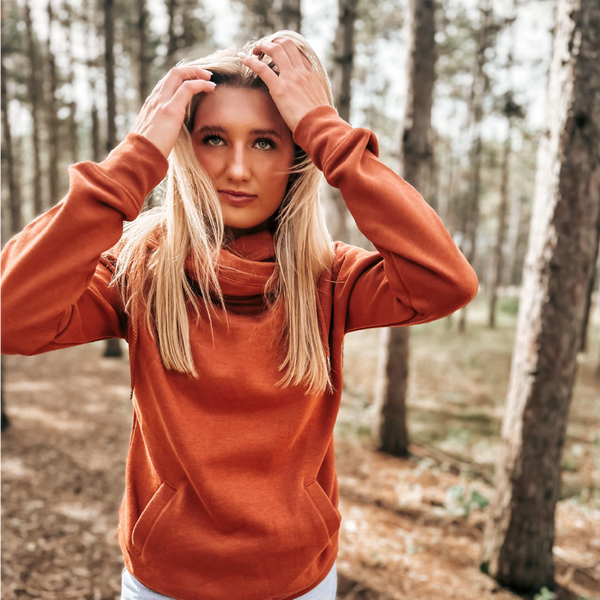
(237, 200)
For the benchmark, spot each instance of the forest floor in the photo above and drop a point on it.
(411, 528)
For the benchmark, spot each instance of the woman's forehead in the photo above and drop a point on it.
(239, 108)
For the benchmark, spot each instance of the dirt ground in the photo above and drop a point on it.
(406, 532)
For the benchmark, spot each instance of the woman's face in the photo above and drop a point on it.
(240, 159)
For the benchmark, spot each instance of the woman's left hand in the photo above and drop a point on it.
(297, 89)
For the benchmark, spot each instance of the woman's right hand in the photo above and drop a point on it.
(163, 112)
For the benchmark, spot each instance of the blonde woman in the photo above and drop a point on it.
(234, 301)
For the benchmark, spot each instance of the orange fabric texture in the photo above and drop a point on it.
(231, 490)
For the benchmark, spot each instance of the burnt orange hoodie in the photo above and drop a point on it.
(231, 490)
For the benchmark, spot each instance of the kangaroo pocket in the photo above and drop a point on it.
(262, 540)
(330, 515)
(151, 515)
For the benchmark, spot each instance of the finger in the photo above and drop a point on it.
(277, 52)
(177, 75)
(186, 90)
(261, 69)
(296, 56)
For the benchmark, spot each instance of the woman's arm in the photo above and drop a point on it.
(418, 273)
(54, 284)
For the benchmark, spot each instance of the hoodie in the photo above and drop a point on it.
(231, 489)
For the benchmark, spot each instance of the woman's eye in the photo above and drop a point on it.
(270, 143)
(210, 137)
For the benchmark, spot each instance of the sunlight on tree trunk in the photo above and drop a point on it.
(561, 257)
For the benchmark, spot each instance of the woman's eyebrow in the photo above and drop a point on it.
(252, 131)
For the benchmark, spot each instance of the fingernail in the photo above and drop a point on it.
(241, 55)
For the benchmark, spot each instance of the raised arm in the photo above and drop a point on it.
(418, 274)
(54, 286)
(54, 282)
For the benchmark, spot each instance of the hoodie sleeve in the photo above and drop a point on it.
(55, 275)
(418, 274)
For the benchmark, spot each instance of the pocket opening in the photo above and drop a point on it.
(329, 514)
(150, 515)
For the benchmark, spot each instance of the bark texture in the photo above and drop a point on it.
(390, 432)
(15, 222)
(563, 244)
(342, 94)
(34, 93)
(52, 115)
(113, 345)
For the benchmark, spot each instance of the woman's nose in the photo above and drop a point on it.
(238, 164)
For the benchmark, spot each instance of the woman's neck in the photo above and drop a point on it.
(233, 233)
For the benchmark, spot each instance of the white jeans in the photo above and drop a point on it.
(132, 589)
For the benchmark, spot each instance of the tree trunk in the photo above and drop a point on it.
(73, 129)
(477, 94)
(143, 68)
(5, 421)
(52, 116)
(289, 15)
(390, 433)
(113, 346)
(563, 244)
(342, 93)
(143, 58)
(510, 109)
(14, 200)
(109, 66)
(34, 91)
(172, 43)
(92, 64)
(588, 307)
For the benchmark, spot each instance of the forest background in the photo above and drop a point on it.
(412, 523)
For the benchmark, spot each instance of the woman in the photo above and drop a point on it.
(231, 489)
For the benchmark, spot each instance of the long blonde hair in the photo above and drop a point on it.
(190, 220)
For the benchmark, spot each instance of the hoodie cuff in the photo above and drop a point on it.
(137, 165)
(321, 130)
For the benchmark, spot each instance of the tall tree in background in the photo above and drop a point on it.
(14, 203)
(9, 162)
(109, 69)
(144, 57)
(68, 24)
(511, 110)
(259, 18)
(52, 113)
(454, 54)
(264, 17)
(478, 90)
(172, 43)
(35, 99)
(563, 245)
(93, 61)
(341, 79)
(389, 432)
(289, 15)
(113, 345)
(189, 25)
(12, 45)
